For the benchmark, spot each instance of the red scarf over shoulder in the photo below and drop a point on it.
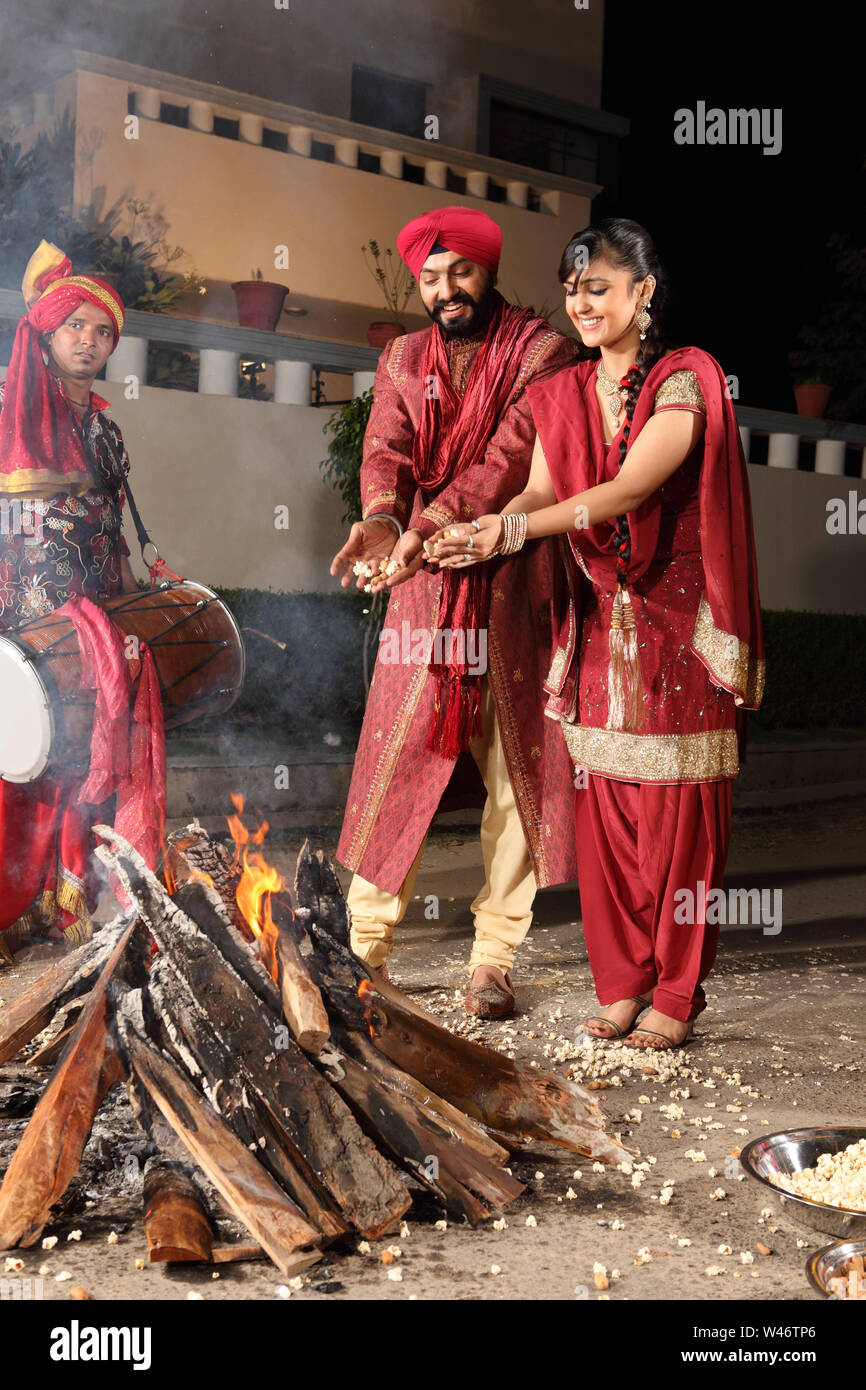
(728, 637)
(453, 435)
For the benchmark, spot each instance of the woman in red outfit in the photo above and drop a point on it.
(638, 464)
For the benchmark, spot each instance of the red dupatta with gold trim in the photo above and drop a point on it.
(728, 636)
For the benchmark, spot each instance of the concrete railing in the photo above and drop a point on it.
(220, 348)
(787, 434)
(253, 120)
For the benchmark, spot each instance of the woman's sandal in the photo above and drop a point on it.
(618, 1032)
(491, 1000)
(664, 1044)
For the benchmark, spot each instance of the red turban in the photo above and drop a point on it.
(464, 230)
(41, 452)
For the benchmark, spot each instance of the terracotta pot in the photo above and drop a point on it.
(812, 398)
(381, 333)
(260, 303)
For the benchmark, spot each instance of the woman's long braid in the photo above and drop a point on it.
(651, 349)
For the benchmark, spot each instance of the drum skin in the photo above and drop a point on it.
(196, 646)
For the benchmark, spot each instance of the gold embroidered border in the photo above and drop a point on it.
(41, 482)
(387, 760)
(385, 499)
(108, 300)
(557, 669)
(398, 374)
(440, 516)
(534, 357)
(524, 799)
(702, 757)
(728, 659)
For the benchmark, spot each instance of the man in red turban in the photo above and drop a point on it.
(464, 652)
(62, 471)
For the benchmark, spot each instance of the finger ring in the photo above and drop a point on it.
(469, 542)
(476, 524)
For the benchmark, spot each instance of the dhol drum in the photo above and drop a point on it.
(46, 719)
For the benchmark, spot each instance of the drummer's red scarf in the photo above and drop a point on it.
(453, 435)
(127, 747)
(41, 452)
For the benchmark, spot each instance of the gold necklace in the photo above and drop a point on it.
(611, 388)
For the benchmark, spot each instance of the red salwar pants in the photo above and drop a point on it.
(639, 845)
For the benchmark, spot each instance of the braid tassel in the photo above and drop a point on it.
(624, 675)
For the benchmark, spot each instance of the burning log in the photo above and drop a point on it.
(291, 1092)
(484, 1084)
(249, 1192)
(303, 1009)
(48, 1156)
(34, 1009)
(192, 856)
(175, 1220)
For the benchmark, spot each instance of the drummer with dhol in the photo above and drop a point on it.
(62, 470)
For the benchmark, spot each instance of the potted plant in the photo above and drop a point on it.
(342, 468)
(812, 395)
(830, 353)
(397, 286)
(260, 302)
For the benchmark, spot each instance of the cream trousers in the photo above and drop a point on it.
(503, 908)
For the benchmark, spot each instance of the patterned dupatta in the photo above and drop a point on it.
(452, 436)
(727, 635)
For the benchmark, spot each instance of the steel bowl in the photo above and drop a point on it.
(824, 1264)
(790, 1152)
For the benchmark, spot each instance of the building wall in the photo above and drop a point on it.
(209, 471)
(229, 204)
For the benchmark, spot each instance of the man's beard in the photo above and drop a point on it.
(483, 310)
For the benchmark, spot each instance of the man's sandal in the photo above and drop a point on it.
(491, 1000)
(643, 1005)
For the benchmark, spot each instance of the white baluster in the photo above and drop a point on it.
(391, 164)
(745, 440)
(435, 173)
(148, 102)
(217, 372)
(361, 382)
(292, 382)
(201, 117)
(476, 183)
(300, 140)
(830, 457)
(346, 153)
(549, 201)
(250, 128)
(784, 450)
(128, 359)
(516, 193)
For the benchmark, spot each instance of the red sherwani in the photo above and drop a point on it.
(397, 783)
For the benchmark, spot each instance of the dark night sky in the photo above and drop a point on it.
(742, 234)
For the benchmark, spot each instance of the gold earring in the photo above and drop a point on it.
(643, 321)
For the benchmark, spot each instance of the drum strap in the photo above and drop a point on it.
(144, 540)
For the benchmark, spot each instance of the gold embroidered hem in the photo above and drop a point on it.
(440, 516)
(728, 660)
(385, 499)
(708, 756)
(557, 669)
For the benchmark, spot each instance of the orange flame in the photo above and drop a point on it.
(258, 881)
(365, 989)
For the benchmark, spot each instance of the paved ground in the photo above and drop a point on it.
(781, 1045)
